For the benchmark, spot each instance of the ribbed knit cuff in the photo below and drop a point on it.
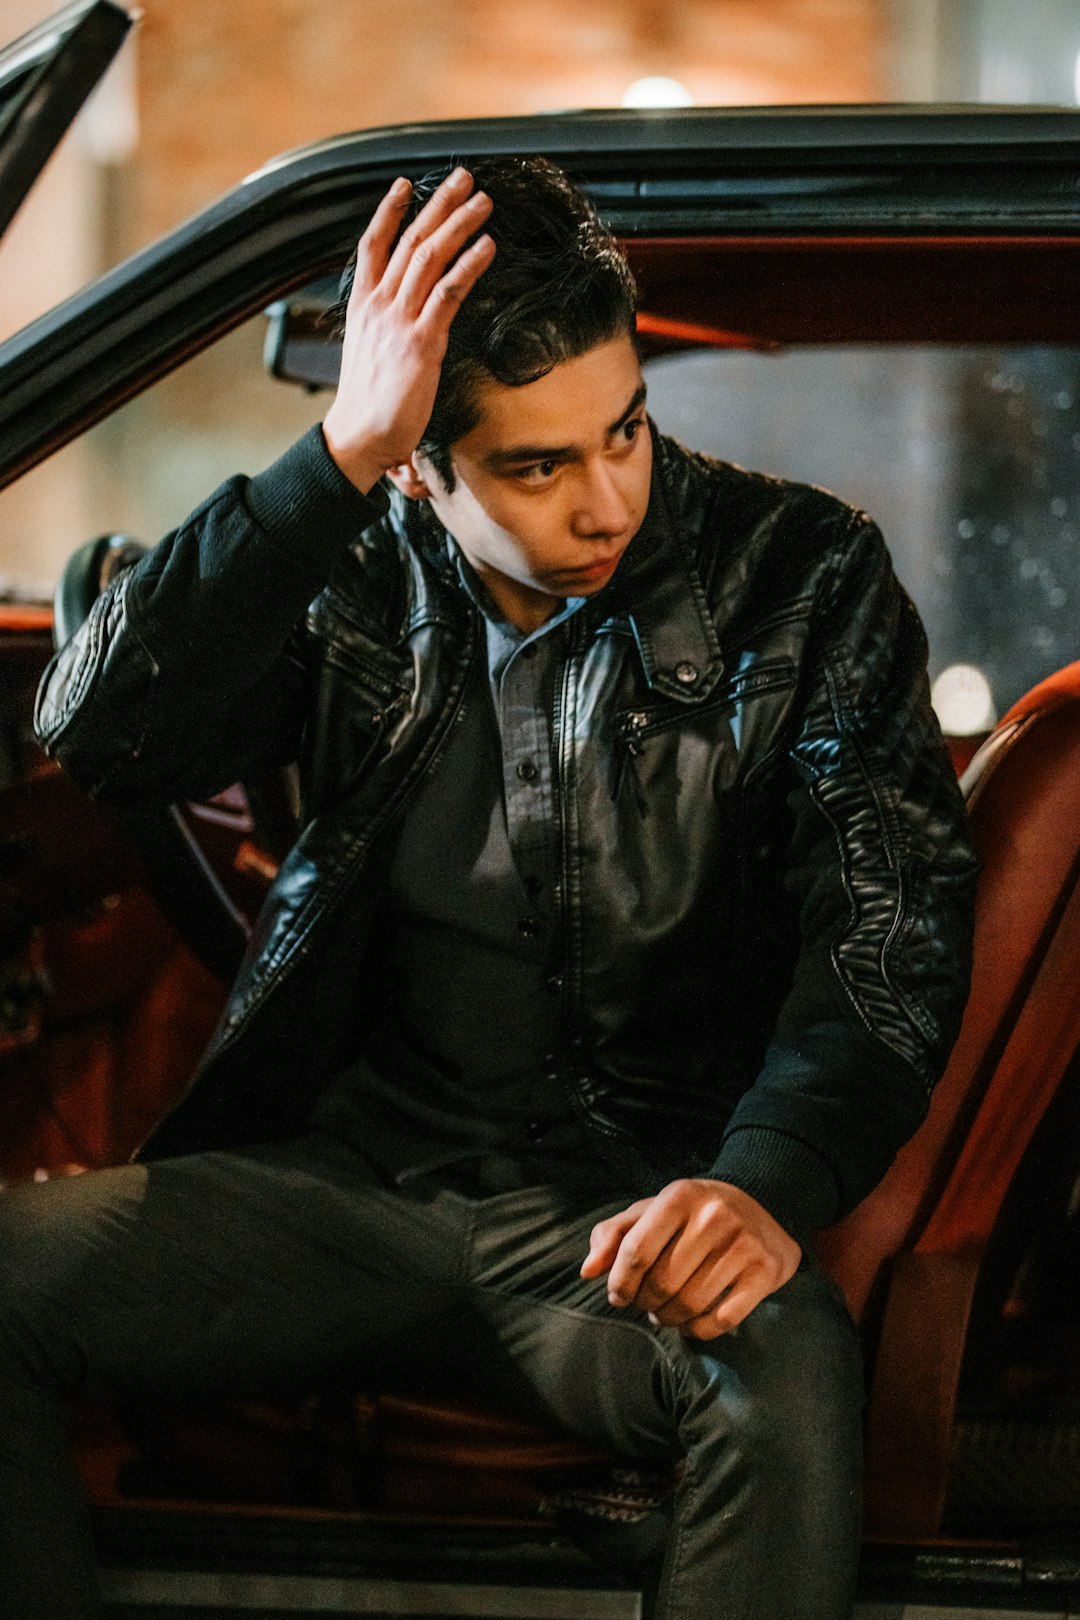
(784, 1175)
(304, 500)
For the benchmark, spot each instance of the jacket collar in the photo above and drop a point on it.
(436, 595)
(659, 593)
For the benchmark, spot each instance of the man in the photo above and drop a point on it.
(624, 936)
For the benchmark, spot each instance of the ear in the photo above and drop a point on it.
(410, 480)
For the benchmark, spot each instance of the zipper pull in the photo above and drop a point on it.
(630, 731)
(633, 724)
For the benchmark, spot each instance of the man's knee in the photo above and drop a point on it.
(781, 1396)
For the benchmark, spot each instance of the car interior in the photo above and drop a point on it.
(950, 368)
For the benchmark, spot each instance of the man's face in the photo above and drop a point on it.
(552, 482)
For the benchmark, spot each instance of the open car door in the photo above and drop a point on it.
(45, 77)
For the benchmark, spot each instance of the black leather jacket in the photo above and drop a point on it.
(767, 877)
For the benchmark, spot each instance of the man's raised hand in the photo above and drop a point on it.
(403, 300)
(698, 1256)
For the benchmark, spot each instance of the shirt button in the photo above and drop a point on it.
(527, 771)
(528, 927)
(534, 1130)
(553, 983)
(686, 673)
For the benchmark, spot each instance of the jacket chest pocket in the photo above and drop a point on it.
(356, 653)
(743, 719)
(360, 695)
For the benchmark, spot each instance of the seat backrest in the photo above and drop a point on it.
(1023, 795)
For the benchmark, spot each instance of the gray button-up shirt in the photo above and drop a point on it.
(465, 1067)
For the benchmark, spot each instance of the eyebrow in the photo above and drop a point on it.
(524, 454)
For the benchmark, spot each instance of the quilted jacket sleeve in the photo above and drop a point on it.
(186, 671)
(880, 876)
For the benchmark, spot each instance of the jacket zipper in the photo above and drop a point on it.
(632, 728)
(563, 750)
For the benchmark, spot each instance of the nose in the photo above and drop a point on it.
(602, 511)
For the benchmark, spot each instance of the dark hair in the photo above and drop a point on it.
(559, 285)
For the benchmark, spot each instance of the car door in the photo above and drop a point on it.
(45, 76)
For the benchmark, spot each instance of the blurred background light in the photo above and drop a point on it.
(963, 701)
(657, 91)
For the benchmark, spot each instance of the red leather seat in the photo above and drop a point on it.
(908, 1258)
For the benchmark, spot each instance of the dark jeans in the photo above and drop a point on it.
(254, 1273)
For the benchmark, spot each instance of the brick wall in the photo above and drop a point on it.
(222, 88)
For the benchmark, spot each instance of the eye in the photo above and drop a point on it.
(539, 473)
(629, 429)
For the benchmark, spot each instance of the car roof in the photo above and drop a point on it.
(701, 131)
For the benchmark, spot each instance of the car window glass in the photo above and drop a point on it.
(969, 458)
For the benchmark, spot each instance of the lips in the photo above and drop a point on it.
(592, 571)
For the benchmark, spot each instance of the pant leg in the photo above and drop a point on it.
(242, 1274)
(767, 1418)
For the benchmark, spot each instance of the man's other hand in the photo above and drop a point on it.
(698, 1256)
(403, 300)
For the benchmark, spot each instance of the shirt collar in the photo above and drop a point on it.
(481, 598)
